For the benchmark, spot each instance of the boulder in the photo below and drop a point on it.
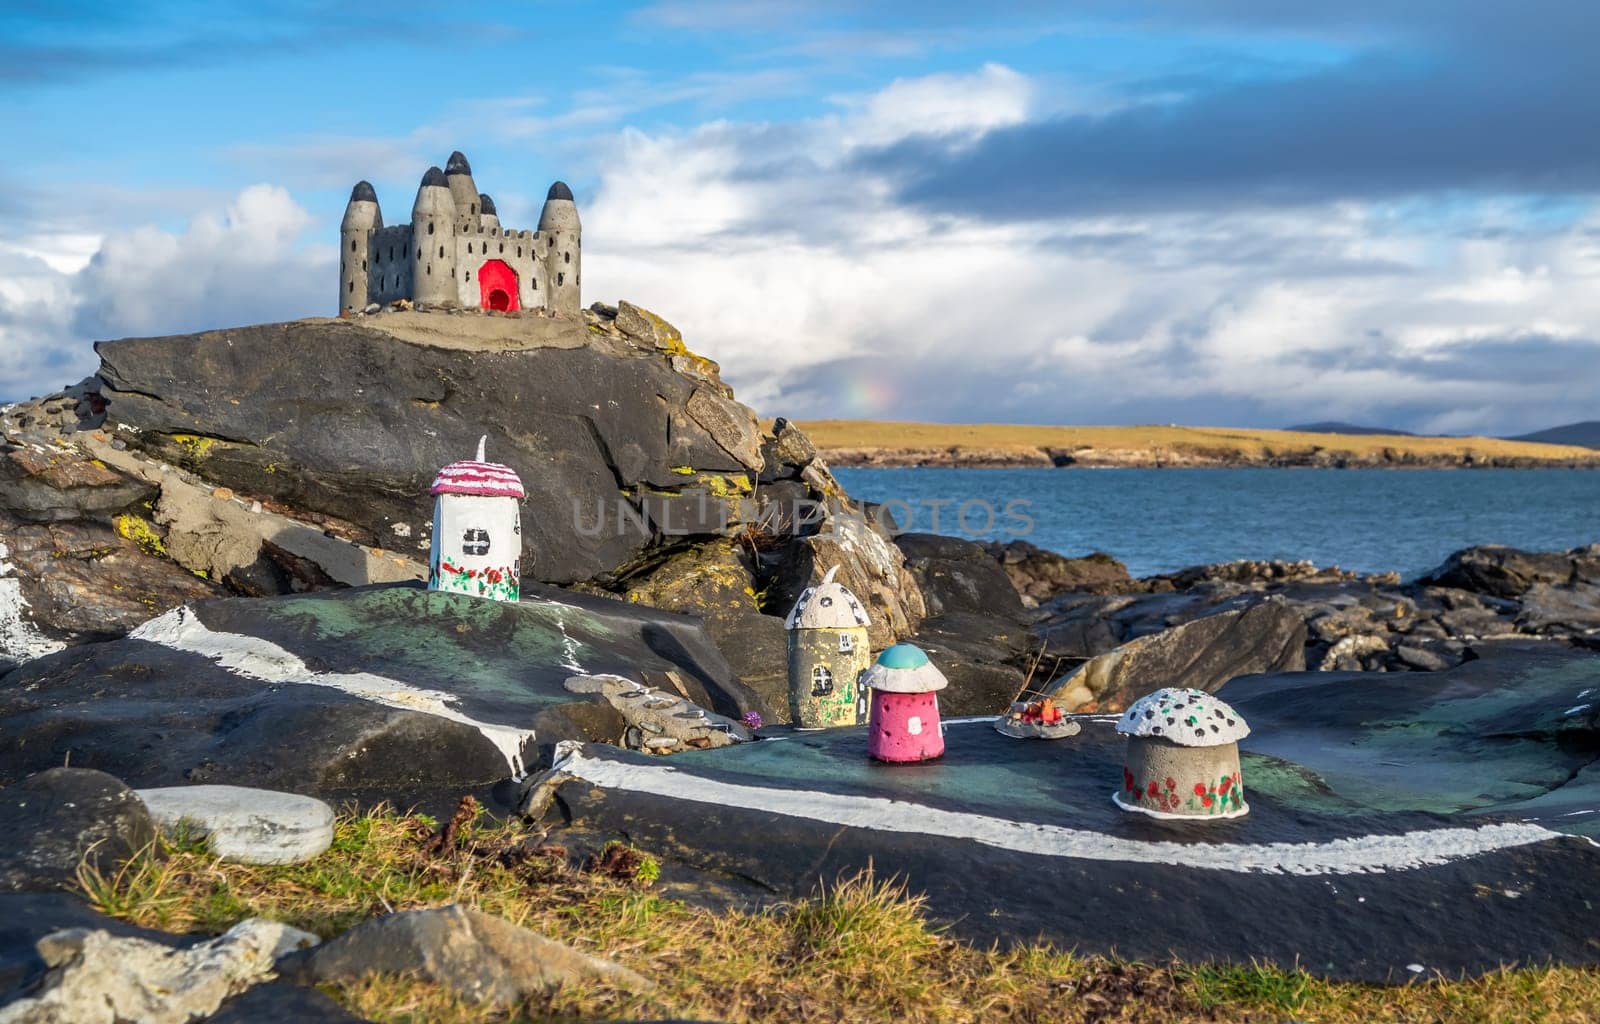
(390, 692)
(1507, 572)
(1354, 653)
(959, 576)
(353, 418)
(57, 818)
(251, 826)
(1561, 610)
(870, 566)
(100, 978)
(51, 483)
(1202, 654)
(481, 958)
(1040, 575)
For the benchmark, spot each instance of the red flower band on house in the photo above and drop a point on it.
(487, 479)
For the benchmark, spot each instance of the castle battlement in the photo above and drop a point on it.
(455, 252)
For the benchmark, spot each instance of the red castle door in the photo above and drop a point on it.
(497, 286)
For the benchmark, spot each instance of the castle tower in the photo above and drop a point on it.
(458, 175)
(361, 218)
(563, 234)
(433, 238)
(827, 653)
(486, 213)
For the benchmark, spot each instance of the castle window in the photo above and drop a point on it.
(474, 209)
(847, 643)
(567, 256)
(502, 247)
(441, 252)
(821, 681)
(363, 264)
(469, 248)
(430, 227)
(519, 252)
(419, 252)
(469, 275)
(352, 287)
(561, 279)
(535, 283)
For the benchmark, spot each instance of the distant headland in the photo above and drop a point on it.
(993, 445)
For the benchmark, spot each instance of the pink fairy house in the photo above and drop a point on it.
(903, 724)
(477, 529)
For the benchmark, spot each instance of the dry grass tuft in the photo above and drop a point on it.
(862, 949)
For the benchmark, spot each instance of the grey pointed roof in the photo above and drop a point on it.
(559, 191)
(434, 176)
(363, 193)
(486, 205)
(457, 164)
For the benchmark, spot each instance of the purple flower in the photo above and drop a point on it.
(752, 719)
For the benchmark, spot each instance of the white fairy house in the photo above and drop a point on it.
(1183, 757)
(477, 529)
(827, 653)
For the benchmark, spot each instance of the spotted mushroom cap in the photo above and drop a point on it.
(904, 668)
(828, 605)
(1189, 718)
(480, 477)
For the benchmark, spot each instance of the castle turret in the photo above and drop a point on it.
(433, 237)
(458, 175)
(486, 213)
(361, 218)
(563, 235)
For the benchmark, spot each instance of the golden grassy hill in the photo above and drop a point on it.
(868, 442)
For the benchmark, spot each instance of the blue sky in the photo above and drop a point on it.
(1235, 212)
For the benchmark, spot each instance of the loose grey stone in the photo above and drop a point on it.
(251, 826)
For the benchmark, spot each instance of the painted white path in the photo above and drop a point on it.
(20, 639)
(1354, 855)
(254, 658)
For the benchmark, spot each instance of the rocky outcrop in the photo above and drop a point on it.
(1201, 654)
(1507, 572)
(389, 692)
(661, 722)
(63, 817)
(479, 957)
(296, 457)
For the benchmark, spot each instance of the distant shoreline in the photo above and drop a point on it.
(867, 443)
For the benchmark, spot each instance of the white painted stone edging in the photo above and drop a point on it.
(254, 658)
(1369, 854)
(251, 826)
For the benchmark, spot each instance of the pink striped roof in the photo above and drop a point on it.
(489, 479)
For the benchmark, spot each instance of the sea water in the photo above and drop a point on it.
(1160, 520)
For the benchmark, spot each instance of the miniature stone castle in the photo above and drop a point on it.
(454, 253)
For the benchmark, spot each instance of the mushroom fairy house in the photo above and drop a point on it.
(904, 725)
(477, 529)
(1183, 757)
(828, 652)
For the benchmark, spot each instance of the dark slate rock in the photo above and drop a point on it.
(959, 576)
(282, 1003)
(342, 419)
(55, 819)
(159, 716)
(1508, 572)
(25, 918)
(1331, 757)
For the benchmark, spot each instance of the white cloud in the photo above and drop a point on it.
(241, 264)
(821, 294)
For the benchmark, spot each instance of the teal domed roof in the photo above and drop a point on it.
(903, 656)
